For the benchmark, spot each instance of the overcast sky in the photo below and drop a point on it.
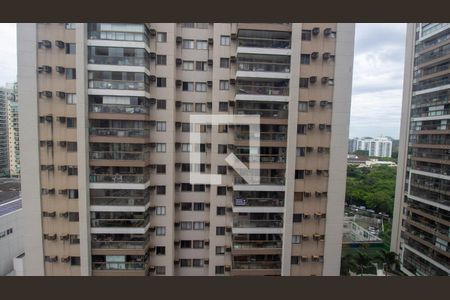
(377, 75)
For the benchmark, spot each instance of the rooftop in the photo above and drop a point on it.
(10, 199)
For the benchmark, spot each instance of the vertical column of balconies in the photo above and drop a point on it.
(118, 79)
(57, 154)
(425, 227)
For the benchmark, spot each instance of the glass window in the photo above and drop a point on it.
(70, 48)
(188, 44)
(160, 104)
(186, 107)
(225, 40)
(201, 65)
(70, 25)
(224, 85)
(305, 59)
(306, 35)
(199, 225)
(188, 86)
(160, 270)
(160, 189)
(304, 82)
(303, 106)
(161, 82)
(301, 151)
(220, 250)
(186, 225)
(70, 73)
(296, 239)
(201, 87)
(220, 211)
(220, 230)
(160, 147)
(161, 37)
(221, 190)
(161, 126)
(224, 62)
(160, 210)
(198, 244)
(71, 98)
(223, 106)
(202, 45)
(200, 107)
(161, 59)
(160, 230)
(188, 65)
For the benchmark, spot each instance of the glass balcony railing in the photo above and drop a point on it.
(119, 201)
(245, 265)
(119, 178)
(262, 90)
(262, 158)
(258, 202)
(263, 136)
(118, 85)
(257, 244)
(118, 36)
(119, 244)
(119, 132)
(264, 67)
(263, 180)
(264, 43)
(119, 60)
(117, 109)
(263, 113)
(116, 155)
(248, 223)
(120, 222)
(119, 265)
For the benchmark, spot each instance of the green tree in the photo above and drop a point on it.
(388, 259)
(347, 264)
(362, 261)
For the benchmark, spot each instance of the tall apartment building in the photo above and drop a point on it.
(380, 146)
(5, 95)
(420, 231)
(13, 133)
(105, 149)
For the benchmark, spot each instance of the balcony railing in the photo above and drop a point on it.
(263, 136)
(264, 43)
(119, 222)
(430, 84)
(113, 155)
(263, 180)
(120, 132)
(262, 158)
(264, 67)
(431, 114)
(119, 60)
(247, 223)
(262, 90)
(119, 244)
(263, 113)
(245, 265)
(256, 244)
(258, 202)
(117, 85)
(119, 36)
(117, 109)
(118, 178)
(119, 265)
(119, 201)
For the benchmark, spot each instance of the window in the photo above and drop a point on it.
(222, 149)
(160, 190)
(74, 239)
(295, 260)
(161, 59)
(220, 210)
(188, 86)
(224, 62)
(75, 261)
(225, 40)
(70, 25)
(72, 170)
(299, 174)
(221, 191)
(160, 104)
(160, 147)
(160, 210)
(71, 98)
(222, 128)
(200, 107)
(301, 151)
(223, 106)
(186, 187)
(301, 129)
(160, 270)
(220, 230)
(224, 84)
(160, 250)
(161, 82)
(186, 206)
(199, 187)
(220, 250)
(199, 206)
(71, 122)
(188, 44)
(303, 106)
(71, 73)
(202, 45)
(185, 167)
(160, 230)
(185, 262)
(160, 169)
(222, 170)
(201, 87)
(188, 65)
(71, 146)
(304, 82)
(305, 59)
(296, 239)
(198, 263)
(199, 225)
(202, 148)
(186, 147)
(186, 225)
(160, 126)
(296, 218)
(306, 35)
(187, 106)
(73, 194)
(70, 48)
(73, 217)
(198, 244)
(161, 37)
(185, 244)
(201, 66)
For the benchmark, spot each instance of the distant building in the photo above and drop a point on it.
(9, 131)
(4, 145)
(380, 146)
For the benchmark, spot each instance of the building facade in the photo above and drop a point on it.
(13, 133)
(379, 147)
(420, 230)
(5, 95)
(108, 154)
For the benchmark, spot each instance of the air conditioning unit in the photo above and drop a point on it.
(152, 78)
(64, 237)
(228, 229)
(179, 39)
(319, 172)
(309, 149)
(211, 41)
(321, 126)
(314, 55)
(50, 168)
(178, 61)
(47, 69)
(210, 83)
(324, 80)
(60, 69)
(227, 248)
(61, 95)
(313, 79)
(323, 103)
(177, 124)
(327, 31)
(62, 192)
(210, 62)
(152, 122)
(50, 237)
(318, 194)
(152, 55)
(233, 59)
(62, 119)
(51, 259)
(49, 118)
(64, 214)
(65, 259)
(228, 268)
(40, 69)
(206, 261)
(206, 242)
(46, 43)
(308, 172)
(326, 55)
(49, 214)
(178, 82)
(62, 143)
(49, 143)
(177, 103)
(233, 36)
(306, 194)
(47, 94)
(60, 44)
(233, 81)
(320, 149)
(315, 30)
(152, 32)
(310, 126)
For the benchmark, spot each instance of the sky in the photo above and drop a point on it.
(377, 75)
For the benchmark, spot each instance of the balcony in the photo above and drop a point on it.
(118, 32)
(263, 180)
(263, 66)
(118, 109)
(271, 113)
(120, 60)
(122, 155)
(118, 85)
(116, 243)
(264, 42)
(257, 223)
(119, 219)
(275, 90)
(252, 268)
(247, 244)
(119, 265)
